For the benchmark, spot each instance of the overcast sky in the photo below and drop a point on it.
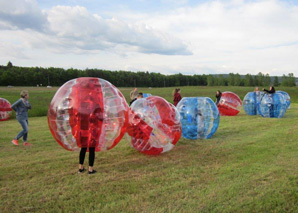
(165, 36)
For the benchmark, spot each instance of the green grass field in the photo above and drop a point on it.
(249, 165)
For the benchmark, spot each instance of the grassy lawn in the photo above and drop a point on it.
(249, 165)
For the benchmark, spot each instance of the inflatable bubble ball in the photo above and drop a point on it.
(199, 117)
(145, 95)
(5, 109)
(251, 101)
(88, 112)
(153, 125)
(230, 104)
(272, 105)
(286, 96)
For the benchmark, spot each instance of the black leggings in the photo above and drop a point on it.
(91, 155)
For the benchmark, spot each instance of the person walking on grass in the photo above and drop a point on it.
(21, 107)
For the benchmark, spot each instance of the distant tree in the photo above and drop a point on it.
(31, 76)
(237, 80)
(231, 79)
(222, 81)
(9, 64)
(248, 81)
(259, 79)
(288, 81)
(210, 80)
(267, 80)
(275, 82)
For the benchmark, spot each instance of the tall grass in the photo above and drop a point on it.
(249, 165)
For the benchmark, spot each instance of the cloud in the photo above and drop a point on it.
(66, 28)
(208, 36)
(77, 27)
(20, 14)
(230, 26)
(246, 37)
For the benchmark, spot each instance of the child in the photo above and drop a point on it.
(140, 95)
(218, 96)
(21, 107)
(177, 96)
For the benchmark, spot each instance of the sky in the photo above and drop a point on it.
(162, 36)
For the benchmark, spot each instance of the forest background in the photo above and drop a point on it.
(37, 76)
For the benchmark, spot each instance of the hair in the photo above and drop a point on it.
(140, 94)
(175, 91)
(273, 89)
(24, 93)
(256, 89)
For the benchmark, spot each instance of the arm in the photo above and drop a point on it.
(27, 104)
(13, 106)
(269, 91)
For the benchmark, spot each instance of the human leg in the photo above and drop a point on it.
(91, 160)
(24, 132)
(82, 159)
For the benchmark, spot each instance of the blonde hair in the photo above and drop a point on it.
(24, 93)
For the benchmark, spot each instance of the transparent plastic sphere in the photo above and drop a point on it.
(5, 109)
(145, 95)
(199, 117)
(251, 101)
(154, 125)
(88, 112)
(272, 105)
(286, 96)
(230, 104)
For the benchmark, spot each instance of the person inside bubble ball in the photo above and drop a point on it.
(133, 94)
(271, 107)
(140, 95)
(271, 90)
(88, 141)
(21, 107)
(177, 96)
(218, 96)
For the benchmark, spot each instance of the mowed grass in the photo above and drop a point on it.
(249, 165)
(40, 97)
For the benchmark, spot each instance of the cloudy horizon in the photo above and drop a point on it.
(164, 36)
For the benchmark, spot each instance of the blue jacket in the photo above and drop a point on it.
(21, 109)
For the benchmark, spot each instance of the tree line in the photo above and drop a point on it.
(32, 76)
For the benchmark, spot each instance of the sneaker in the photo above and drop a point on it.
(81, 170)
(92, 172)
(15, 142)
(27, 144)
